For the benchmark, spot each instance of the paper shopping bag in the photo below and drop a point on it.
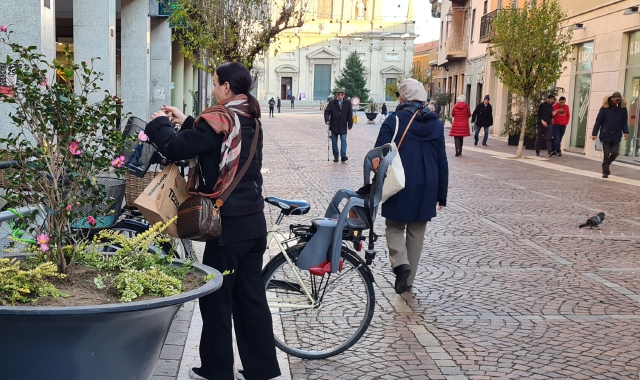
(160, 200)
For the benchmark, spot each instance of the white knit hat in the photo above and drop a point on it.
(461, 98)
(412, 90)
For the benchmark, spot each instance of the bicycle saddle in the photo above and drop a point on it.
(289, 207)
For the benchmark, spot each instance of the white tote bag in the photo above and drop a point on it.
(394, 180)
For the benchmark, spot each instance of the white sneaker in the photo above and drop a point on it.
(194, 375)
(240, 376)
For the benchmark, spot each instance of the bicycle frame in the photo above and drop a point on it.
(273, 302)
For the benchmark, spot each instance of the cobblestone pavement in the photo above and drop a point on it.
(508, 286)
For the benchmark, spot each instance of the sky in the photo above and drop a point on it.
(426, 26)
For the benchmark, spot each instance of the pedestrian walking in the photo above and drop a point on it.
(243, 242)
(272, 104)
(384, 111)
(544, 129)
(278, 104)
(338, 116)
(426, 171)
(482, 118)
(612, 123)
(561, 117)
(293, 100)
(460, 125)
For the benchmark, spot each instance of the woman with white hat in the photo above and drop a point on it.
(424, 159)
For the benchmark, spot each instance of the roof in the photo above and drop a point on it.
(421, 48)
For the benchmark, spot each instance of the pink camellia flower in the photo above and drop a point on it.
(142, 136)
(78, 204)
(44, 247)
(42, 239)
(3, 28)
(118, 162)
(91, 220)
(74, 148)
(69, 207)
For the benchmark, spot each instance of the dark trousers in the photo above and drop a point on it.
(292, 105)
(243, 294)
(477, 135)
(558, 134)
(278, 109)
(270, 111)
(611, 151)
(545, 134)
(458, 142)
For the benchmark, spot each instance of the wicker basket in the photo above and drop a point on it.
(136, 185)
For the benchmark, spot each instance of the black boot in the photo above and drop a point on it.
(402, 275)
(605, 170)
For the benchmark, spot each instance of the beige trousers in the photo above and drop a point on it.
(405, 250)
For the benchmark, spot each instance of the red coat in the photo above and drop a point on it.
(461, 114)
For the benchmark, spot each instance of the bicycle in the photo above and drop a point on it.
(319, 290)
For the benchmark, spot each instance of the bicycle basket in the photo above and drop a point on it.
(107, 212)
(138, 155)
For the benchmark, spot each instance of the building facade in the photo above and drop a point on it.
(605, 59)
(460, 52)
(132, 39)
(425, 58)
(304, 63)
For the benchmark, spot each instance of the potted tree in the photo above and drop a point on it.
(66, 152)
(371, 111)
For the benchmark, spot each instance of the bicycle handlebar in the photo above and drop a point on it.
(8, 164)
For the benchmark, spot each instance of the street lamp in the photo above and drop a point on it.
(449, 16)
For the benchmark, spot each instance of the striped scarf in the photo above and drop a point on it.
(223, 118)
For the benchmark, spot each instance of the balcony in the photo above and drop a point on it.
(486, 30)
(456, 48)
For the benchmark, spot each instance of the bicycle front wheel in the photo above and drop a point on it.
(315, 317)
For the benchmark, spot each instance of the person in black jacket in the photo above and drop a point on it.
(243, 241)
(338, 116)
(545, 132)
(272, 103)
(612, 123)
(278, 104)
(483, 118)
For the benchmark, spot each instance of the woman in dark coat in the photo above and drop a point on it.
(612, 125)
(243, 241)
(426, 180)
(460, 127)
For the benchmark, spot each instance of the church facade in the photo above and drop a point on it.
(304, 63)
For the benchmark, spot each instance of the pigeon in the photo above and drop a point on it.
(594, 221)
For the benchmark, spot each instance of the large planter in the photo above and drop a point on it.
(103, 342)
(529, 143)
(371, 116)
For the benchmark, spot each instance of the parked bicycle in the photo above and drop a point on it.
(319, 289)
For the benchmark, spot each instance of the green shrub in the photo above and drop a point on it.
(18, 285)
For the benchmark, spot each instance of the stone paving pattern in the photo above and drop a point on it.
(508, 286)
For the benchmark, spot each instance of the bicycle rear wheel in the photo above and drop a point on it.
(344, 305)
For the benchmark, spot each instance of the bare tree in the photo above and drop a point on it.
(211, 32)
